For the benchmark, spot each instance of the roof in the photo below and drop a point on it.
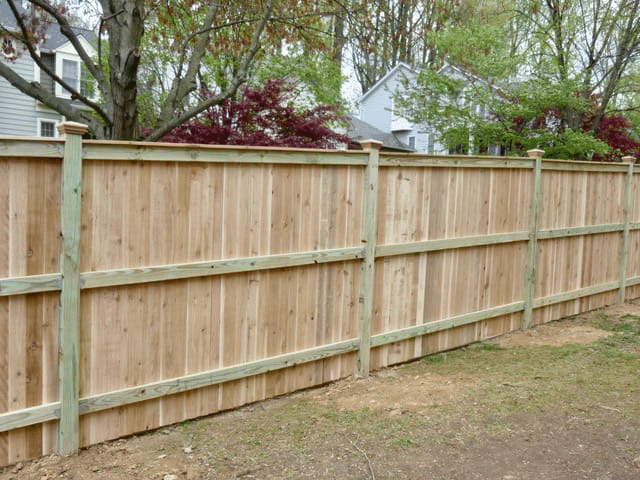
(54, 38)
(359, 130)
(383, 80)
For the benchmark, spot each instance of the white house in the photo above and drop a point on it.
(20, 114)
(377, 109)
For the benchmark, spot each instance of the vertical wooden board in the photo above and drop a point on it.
(601, 259)
(494, 327)
(471, 215)
(439, 203)
(631, 293)
(5, 215)
(282, 217)
(104, 194)
(51, 170)
(381, 309)
(234, 290)
(309, 282)
(384, 205)
(635, 195)
(545, 258)
(508, 210)
(463, 279)
(633, 267)
(4, 370)
(16, 372)
(173, 346)
(138, 210)
(434, 285)
(453, 186)
(605, 198)
(106, 356)
(17, 307)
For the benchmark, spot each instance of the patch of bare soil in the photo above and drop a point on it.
(491, 412)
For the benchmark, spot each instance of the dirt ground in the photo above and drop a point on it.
(560, 401)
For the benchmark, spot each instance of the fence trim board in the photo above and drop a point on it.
(23, 148)
(149, 391)
(633, 281)
(577, 166)
(49, 282)
(29, 416)
(577, 231)
(164, 152)
(448, 244)
(420, 160)
(179, 271)
(445, 324)
(575, 294)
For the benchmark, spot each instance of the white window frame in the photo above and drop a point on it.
(14, 46)
(47, 120)
(60, 57)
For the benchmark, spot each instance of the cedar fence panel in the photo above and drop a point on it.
(203, 278)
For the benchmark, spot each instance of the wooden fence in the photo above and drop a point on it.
(142, 285)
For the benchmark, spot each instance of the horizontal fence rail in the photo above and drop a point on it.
(143, 285)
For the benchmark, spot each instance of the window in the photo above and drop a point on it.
(412, 142)
(9, 50)
(76, 76)
(45, 80)
(70, 73)
(430, 143)
(47, 128)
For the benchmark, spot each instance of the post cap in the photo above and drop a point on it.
(535, 153)
(629, 159)
(371, 144)
(72, 128)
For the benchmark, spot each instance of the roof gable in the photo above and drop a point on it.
(399, 68)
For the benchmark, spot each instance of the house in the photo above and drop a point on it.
(359, 130)
(377, 109)
(20, 114)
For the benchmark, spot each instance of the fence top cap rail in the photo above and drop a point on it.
(191, 146)
(614, 166)
(20, 139)
(30, 147)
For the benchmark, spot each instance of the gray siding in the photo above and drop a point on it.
(17, 110)
(19, 113)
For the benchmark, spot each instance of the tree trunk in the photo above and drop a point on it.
(124, 20)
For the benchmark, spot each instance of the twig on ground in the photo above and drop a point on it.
(610, 408)
(373, 475)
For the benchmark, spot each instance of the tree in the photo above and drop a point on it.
(382, 33)
(542, 73)
(204, 45)
(262, 117)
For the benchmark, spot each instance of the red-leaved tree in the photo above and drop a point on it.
(262, 117)
(614, 131)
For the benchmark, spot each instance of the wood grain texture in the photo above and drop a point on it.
(215, 277)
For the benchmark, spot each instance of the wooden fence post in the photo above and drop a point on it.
(532, 248)
(367, 267)
(69, 322)
(624, 247)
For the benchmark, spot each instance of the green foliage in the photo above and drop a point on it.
(317, 79)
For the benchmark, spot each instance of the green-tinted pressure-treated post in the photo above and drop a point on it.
(367, 268)
(69, 323)
(624, 247)
(532, 249)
